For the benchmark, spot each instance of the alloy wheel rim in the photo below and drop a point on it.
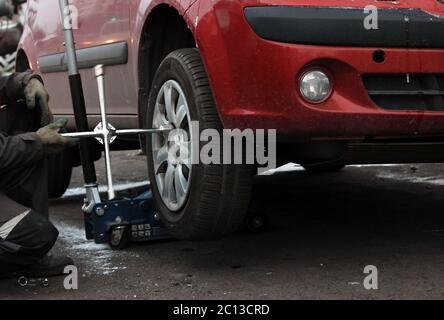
(172, 151)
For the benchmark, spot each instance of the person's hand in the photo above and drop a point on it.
(52, 140)
(36, 96)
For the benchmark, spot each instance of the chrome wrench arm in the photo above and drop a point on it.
(125, 132)
(106, 133)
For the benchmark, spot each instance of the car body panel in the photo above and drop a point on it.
(268, 96)
(99, 23)
(254, 80)
(140, 10)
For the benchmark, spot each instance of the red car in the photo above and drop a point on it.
(342, 83)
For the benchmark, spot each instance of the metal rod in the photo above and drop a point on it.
(128, 132)
(88, 134)
(99, 73)
(78, 100)
(125, 132)
(71, 57)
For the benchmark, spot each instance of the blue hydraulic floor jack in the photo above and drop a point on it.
(116, 220)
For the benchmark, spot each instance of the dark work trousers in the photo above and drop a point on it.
(26, 234)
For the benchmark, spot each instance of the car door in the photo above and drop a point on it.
(101, 31)
(44, 22)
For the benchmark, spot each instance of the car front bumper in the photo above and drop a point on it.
(254, 76)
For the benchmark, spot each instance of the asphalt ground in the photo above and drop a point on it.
(323, 230)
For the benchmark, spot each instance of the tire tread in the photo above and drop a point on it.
(225, 189)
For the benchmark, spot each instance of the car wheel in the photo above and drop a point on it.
(195, 201)
(59, 174)
(319, 168)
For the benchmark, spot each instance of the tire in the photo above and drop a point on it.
(119, 239)
(320, 168)
(59, 174)
(217, 197)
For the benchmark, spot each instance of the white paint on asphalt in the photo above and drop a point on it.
(80, 191)
(97, 258)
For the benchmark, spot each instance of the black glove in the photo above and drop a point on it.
(37, 96)
(52, 140)
(29, 87)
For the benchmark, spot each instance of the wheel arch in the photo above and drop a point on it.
(165, 30)
(21, 61)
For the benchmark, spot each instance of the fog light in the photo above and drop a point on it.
(315, 86)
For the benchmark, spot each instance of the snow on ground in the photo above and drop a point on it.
(409, 178)
(80, 191)
(290, 167)
(98, 258)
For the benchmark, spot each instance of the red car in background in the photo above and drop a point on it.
(337, 92)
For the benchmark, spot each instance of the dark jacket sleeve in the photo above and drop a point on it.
(21, 150)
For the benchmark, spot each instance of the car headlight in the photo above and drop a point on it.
(315, 86)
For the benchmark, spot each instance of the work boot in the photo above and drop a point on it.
(49, 266)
